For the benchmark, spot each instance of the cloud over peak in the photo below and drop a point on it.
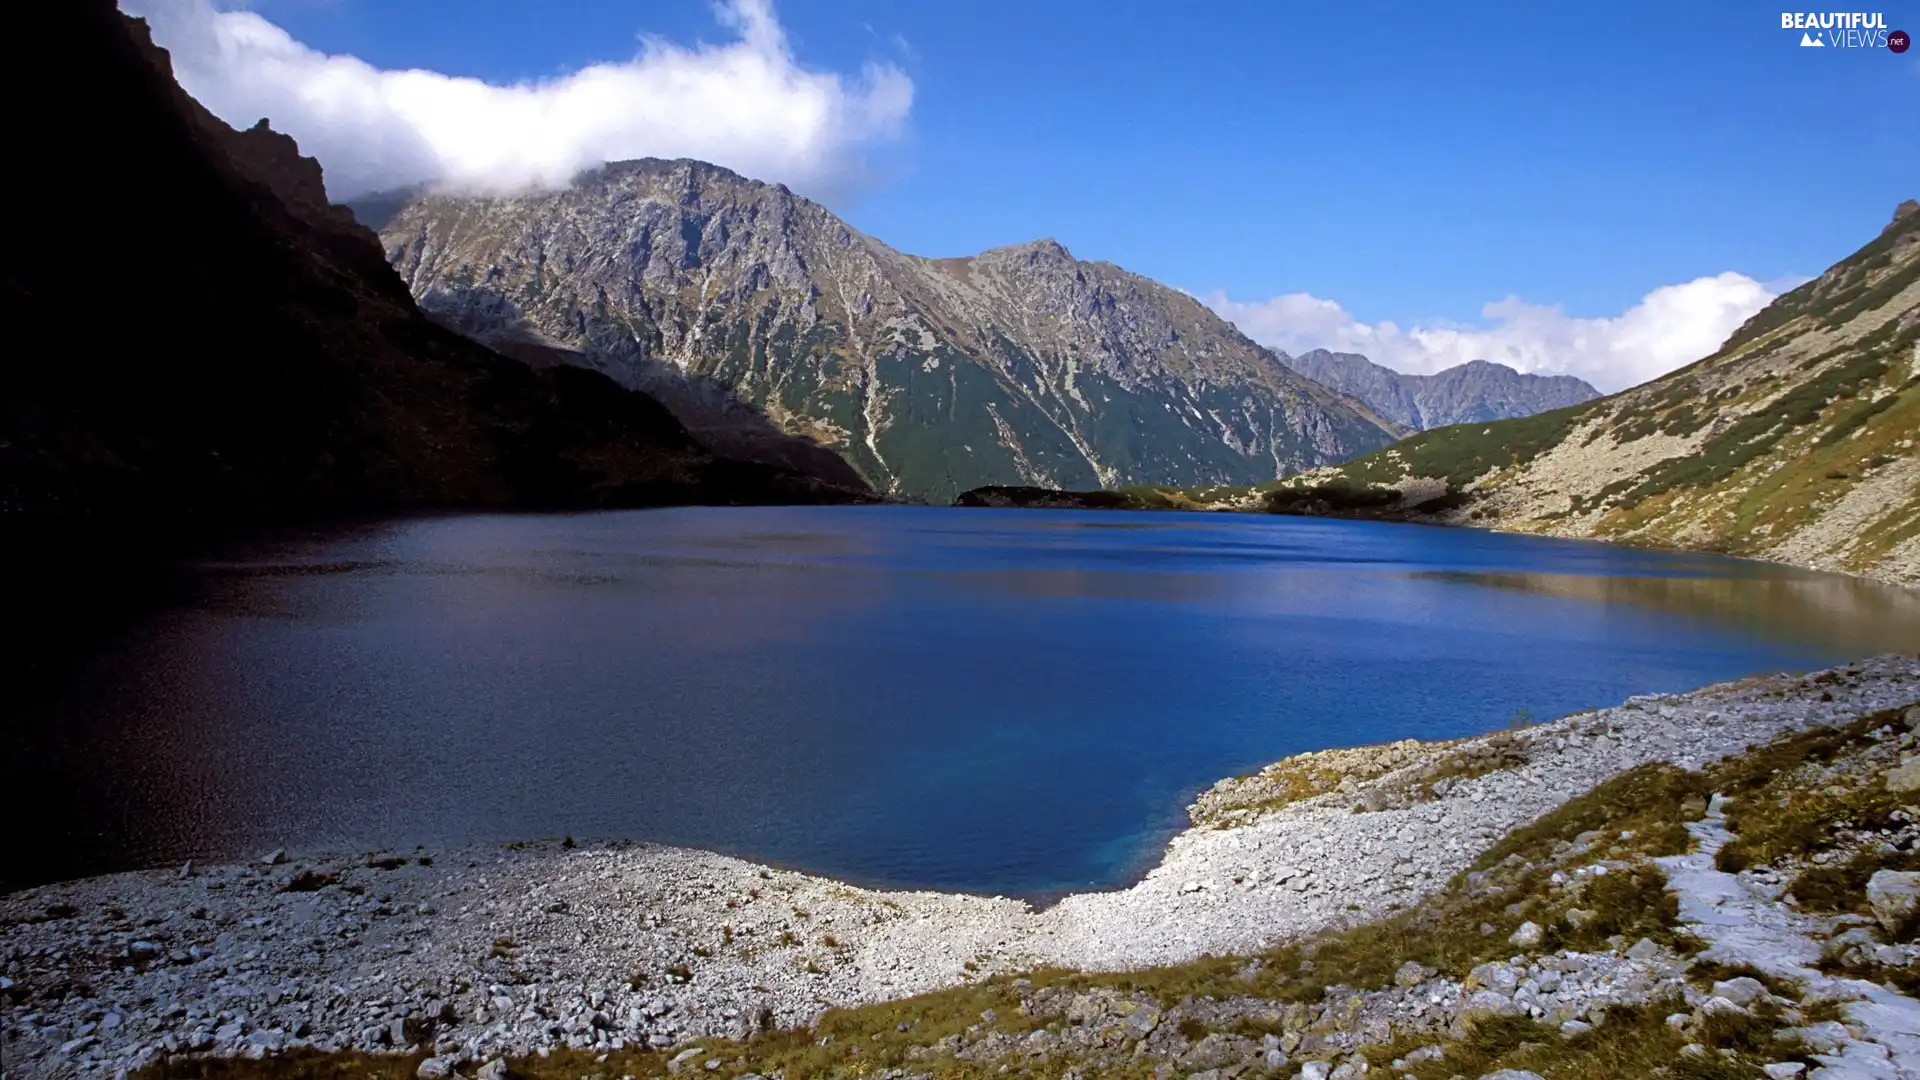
(1670, 327)
(747, 104)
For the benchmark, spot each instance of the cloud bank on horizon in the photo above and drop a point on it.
(1670, 327)
(746, 104)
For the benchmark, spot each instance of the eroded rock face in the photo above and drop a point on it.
(735, 300)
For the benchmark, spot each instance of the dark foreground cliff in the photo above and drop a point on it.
(193, 334)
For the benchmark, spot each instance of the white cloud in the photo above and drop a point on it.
(746, 104)
(1670, 327)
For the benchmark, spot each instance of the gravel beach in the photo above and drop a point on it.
(481, 952)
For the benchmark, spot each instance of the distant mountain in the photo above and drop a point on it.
(1474, 392)
(195, 336)
(773, 329)
(1798, 441)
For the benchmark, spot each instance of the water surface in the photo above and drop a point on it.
(1014, 702)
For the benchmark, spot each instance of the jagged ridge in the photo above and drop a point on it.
(736, 300)
(1473, 392)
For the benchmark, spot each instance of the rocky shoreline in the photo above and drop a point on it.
(475, 954)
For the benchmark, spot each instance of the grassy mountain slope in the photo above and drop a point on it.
(1794, 442)
(749, 310)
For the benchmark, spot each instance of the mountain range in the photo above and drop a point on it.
(1474, 392)
(1794, 442)
(773, 328)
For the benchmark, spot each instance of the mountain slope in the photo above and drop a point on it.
(1474, 392)
(1794, 442)
(196, 336)
(745, 307)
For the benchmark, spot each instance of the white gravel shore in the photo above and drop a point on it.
(489, 951)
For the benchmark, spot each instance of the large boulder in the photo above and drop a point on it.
(1893, 895)
(1906, 775)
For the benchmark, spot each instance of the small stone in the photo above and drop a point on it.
(1411, 973)
(434, 1068)
(492, 1070)
(1677, 1021)
(274, 857)
(1314, 1070)
(1784, 1070)
(1485, 1003)
(1719, 1006)
(1644, 949)
(1512, 1074)
(1574, 1027)
(1526, 937)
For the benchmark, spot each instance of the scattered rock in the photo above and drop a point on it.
(1526, 937)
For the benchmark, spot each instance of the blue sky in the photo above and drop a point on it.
(1409, 162)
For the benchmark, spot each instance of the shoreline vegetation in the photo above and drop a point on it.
(1546, 898)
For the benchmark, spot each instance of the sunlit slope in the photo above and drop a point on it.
(1794, 442)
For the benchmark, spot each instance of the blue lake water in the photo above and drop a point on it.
(1013, 702)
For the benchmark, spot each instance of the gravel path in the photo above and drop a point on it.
(489, 951)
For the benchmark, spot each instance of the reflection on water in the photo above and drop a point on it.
(1017, 702)
(1830, 610)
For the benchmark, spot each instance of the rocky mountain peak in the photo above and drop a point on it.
(1478, 390)
(732, 299)
(1901, 213)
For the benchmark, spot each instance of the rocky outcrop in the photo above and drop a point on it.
(755, 313)
(1034, 498)
(1474, 392)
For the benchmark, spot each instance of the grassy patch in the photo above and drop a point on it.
(1466, 452)
(1773, 816)
(1629, 1042)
